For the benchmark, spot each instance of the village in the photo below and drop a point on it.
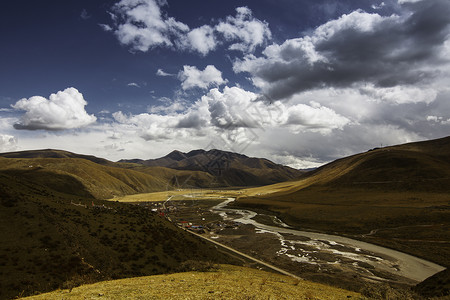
(192, 215)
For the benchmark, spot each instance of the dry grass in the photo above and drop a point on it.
(181, 194)
(229, 282)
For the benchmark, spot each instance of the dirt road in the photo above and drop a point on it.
(246, 256)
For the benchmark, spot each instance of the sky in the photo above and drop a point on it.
(300, 82)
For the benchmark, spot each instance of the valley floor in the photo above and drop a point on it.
(311, 258)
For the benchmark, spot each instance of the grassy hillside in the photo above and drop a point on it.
(100, 177)
(51, 153)
(396, 196)
(413, 167)
(175, 179)
(53, 240)
(423, 166)
(228, 282)
(77, 176)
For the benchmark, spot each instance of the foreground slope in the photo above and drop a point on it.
(395, 196)
(228, 282)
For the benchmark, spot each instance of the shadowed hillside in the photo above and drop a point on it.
(54, 235)
(415, 167)
(422, 166)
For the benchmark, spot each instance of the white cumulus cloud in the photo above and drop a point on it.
(192, 77)
(202, 39)
(314, 118)
(230, 108)
(63, 110)
(105, 27)
(162, 73)
(408, 1)
(143, 25)
(234, 114)
(154, 127)
(134, 84)
(439, 120)
(7, 143)
(245, 31)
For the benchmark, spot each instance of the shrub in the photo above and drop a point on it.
(384, 291)
(197, 266)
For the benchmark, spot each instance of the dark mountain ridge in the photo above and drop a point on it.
(229, 168)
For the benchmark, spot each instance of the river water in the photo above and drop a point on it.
(342, 248)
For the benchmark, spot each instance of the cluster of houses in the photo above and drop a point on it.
(159, 208)
(170, 211)
(165, 210)
(216, 227)
(189, 226)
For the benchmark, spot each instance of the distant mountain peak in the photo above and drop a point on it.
(195, 152)
(176, 155)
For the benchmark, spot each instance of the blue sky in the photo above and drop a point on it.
(298, 82)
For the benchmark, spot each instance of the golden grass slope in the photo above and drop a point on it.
(229, 282)
(89, 178)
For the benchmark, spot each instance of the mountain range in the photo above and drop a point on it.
(87, 175)
(229, 169)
